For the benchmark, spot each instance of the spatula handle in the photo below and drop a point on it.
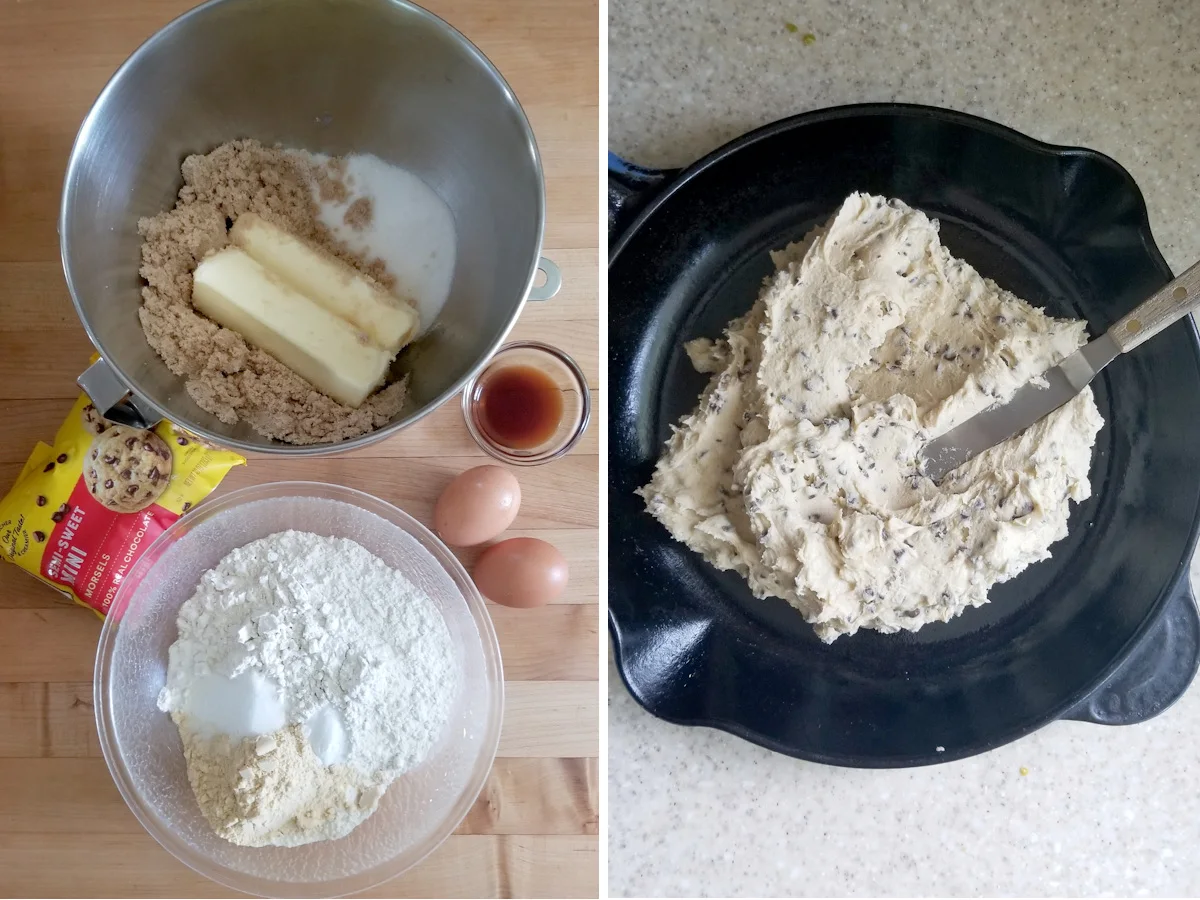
(1173, 302)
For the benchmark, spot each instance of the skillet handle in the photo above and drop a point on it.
(1155, 675)
(630, 188)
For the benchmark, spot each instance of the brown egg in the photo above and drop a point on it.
(521, 572)
(477, 506)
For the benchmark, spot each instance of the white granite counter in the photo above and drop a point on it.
(1099, 811)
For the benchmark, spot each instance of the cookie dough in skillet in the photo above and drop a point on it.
(798, 469)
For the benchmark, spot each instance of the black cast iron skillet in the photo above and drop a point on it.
(1105, 631)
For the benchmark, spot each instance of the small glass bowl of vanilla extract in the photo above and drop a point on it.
(529, 405)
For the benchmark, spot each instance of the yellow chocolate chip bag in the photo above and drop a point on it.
(83, 511)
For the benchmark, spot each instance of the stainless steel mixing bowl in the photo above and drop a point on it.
(331, 76)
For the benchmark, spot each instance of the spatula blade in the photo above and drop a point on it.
(1031, 403)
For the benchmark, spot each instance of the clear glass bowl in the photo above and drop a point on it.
(567, 376)
(141, 744)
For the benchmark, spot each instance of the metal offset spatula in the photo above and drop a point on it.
(1034, 401)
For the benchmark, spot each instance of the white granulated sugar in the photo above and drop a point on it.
(359, 659)
(411, 229)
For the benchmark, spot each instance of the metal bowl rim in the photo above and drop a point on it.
(279, 448)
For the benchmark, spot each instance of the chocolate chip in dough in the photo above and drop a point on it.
(130, 441)
(126, 474)
(108, 482)
(95, 453)
(110, 460)
(154, 475)
(131, 490)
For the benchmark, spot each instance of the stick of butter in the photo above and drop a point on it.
(335, 285)
(236, 291)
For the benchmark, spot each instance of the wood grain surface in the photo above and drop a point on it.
(64, 829)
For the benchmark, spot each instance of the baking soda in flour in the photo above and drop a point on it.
(307, 675)
(410, 228)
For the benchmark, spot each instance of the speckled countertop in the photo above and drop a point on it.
(1100, 811)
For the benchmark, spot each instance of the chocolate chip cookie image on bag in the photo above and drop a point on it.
(127, 469)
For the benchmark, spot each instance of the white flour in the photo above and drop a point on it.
(303, 630)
